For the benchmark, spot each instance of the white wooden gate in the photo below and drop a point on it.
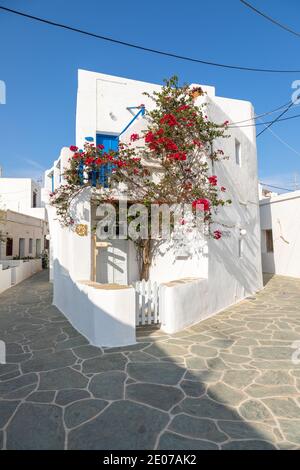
(147, 302)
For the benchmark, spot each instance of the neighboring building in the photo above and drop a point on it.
(280, 233)
(22, 195)
(194, 285)
(23, 236)
(23, 224)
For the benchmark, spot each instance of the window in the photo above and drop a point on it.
(30, 246)
(38, 247)
(238, 153)
(34, 199)
(269, 241)
(9, 247)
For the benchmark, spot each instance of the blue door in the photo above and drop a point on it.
(110, 142)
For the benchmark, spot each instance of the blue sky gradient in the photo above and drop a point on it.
(39, 65)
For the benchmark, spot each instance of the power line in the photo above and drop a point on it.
(264, 114)
(146, 49)
(275, 187)
(264, 123)
(275, 120)
(286, 28)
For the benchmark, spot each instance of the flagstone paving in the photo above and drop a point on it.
(229, 382)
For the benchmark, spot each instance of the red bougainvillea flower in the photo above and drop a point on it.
(73, 148)
(183, 107)
(77, 155)
(213, 180)
(98, 161)
(134, 137)
(149, 137)
(135, 171)
(100, 146)
(223, 189)
(217, 234)
(160, 132)
(89, 160)
(177, 156)
(169, 119)
(198, 143)
(202, 204)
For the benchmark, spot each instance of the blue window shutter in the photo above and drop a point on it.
(110, 142)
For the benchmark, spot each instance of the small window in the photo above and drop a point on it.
(38, 247)
(241, 247)
(269, 241)
(34, 199)
(30, 246)
(9, 247)
(238, 153)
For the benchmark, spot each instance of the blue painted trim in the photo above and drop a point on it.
(141, 112)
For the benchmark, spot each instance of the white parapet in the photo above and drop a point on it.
(103, 313)
(14, 271)
(183, 303)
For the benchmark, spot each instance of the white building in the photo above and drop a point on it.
(22, 195)
(193, 286)
(23, 222)
(280, 226)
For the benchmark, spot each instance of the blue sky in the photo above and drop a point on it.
(39, 66)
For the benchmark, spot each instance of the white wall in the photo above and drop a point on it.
(282, 215)
(13, 272)
(17, 194)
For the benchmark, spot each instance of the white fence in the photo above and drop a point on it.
(14, 271)
(147, 302)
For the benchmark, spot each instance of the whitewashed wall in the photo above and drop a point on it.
(101, 107)
(282, 215)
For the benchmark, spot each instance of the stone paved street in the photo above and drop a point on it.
(227, 383)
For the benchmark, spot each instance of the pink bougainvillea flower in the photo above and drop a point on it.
(100, 146)
(223, 189)
(134, 137)
(217, 234)
(226, 123)
(202, 204)
(213, 180)
(73, 148)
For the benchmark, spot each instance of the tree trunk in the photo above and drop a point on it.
(145, 259)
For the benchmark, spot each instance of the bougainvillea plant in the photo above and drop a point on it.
(177, 141)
